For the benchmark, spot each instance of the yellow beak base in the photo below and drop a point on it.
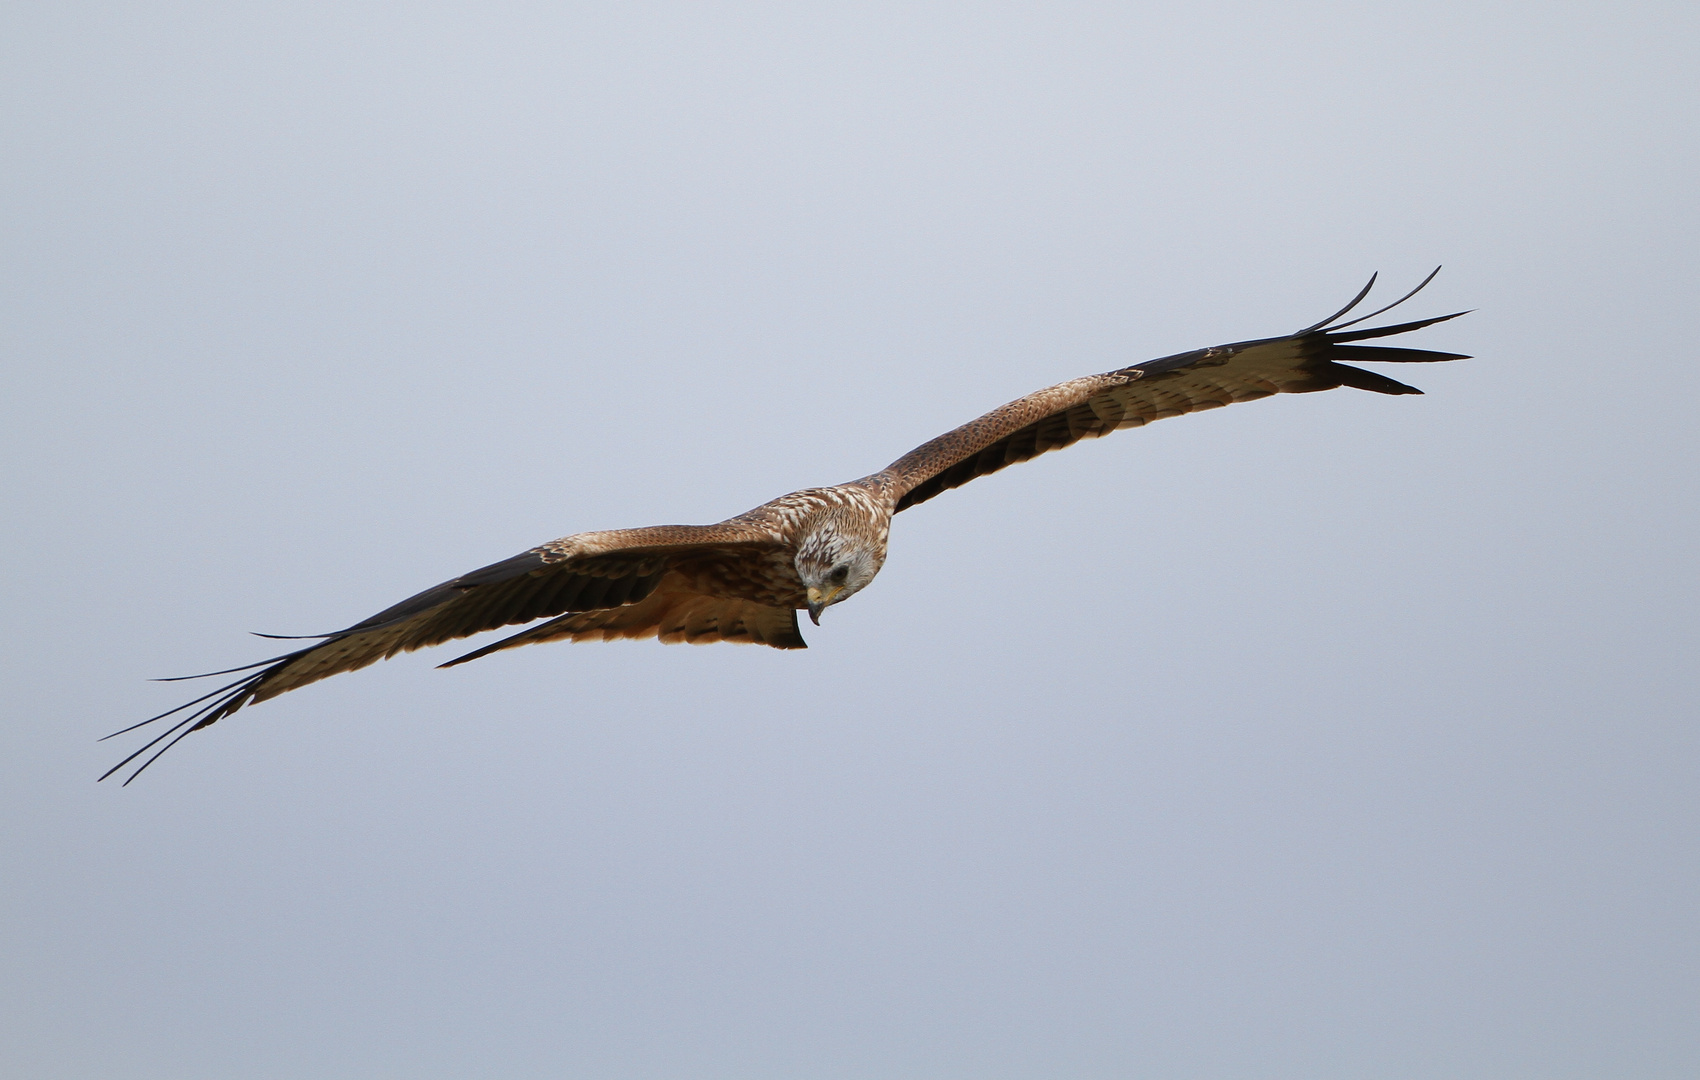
(819, 599)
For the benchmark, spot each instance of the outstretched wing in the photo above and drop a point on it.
(588, 572)
(1096, 405)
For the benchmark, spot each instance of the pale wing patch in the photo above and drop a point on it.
(684, 618)
(673, 616)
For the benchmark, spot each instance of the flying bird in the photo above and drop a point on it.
(744, 579)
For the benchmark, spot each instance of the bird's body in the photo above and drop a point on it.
(744, 579)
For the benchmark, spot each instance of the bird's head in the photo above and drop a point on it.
(837, 559)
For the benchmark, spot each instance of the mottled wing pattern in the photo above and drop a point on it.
(577, 573)
(1096, 405)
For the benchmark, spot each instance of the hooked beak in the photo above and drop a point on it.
(819, 599)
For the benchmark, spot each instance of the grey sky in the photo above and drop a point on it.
(1331, 736)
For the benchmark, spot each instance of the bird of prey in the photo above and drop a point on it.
(745, 579)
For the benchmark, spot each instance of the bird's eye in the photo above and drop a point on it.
(839, 575)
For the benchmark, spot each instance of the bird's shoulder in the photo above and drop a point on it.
(789, 516)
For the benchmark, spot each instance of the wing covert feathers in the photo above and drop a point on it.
(673, 614)
(1133, 396)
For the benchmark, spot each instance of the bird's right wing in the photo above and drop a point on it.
(586, 572)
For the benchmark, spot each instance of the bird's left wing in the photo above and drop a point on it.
(1096, 405)
(586, 572)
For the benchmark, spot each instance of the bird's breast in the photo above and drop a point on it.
(765, 578)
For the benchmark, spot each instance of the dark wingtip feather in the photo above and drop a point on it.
(1356, 300)
(219, 704)
(226, 671)
(1359, 379)
(169, 712)
(1332, 329)
(1381, 354)
(294, 637)
(1421, 285)
(1389, 331)
(143, 767)
(188, 722)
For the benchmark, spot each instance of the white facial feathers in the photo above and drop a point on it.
(841, 551)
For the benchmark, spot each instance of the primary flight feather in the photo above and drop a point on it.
(745, 579)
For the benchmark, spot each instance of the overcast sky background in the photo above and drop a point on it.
(1332, 736)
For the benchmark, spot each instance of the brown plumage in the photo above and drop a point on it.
(744, 579)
